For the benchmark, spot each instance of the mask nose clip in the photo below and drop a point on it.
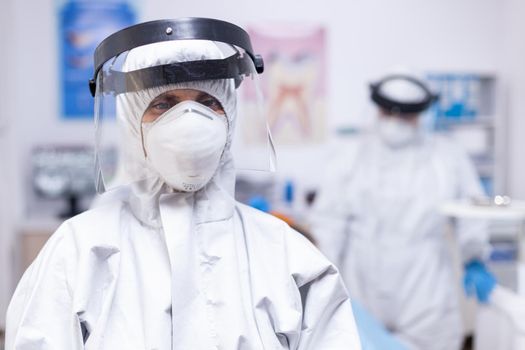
(195, 111)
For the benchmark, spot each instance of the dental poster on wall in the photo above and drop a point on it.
(82, 26)
(293, 83)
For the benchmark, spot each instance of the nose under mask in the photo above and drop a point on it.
(396, 133)
(185, 145)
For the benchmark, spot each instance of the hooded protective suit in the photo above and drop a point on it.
(163, 269)
(377, 218)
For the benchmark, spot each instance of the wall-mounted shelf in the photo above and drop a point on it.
(469, 111)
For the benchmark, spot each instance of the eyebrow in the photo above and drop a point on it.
(203, 94)
(166, 96)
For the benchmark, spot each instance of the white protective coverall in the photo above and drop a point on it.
(512, 305)
(163, 269)
(377, 218)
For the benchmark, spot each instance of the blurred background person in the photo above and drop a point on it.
(377, 218)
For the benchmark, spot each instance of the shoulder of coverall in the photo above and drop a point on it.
(99, 226)
(272, 235)
(261, 219)
(447, 146)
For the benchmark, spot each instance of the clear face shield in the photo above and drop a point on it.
(176, 82)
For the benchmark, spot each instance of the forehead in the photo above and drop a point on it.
(184, 94)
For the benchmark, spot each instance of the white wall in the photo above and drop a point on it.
(365, 37)
(513, 61)
(6, 168)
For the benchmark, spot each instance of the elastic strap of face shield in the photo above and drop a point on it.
(400, 107)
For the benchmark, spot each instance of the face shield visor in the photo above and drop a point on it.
(147, 73)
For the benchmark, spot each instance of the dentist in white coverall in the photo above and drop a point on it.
(178, 263)
(378, 220)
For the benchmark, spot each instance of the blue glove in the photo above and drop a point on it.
(478, 280)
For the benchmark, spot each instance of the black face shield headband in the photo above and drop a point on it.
(234, 67)
(397, 107)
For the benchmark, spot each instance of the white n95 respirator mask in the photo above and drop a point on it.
(185, 145)
(396, 133)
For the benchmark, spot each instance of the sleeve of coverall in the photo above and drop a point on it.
(512, 305)
(472, 233)
(40, 315)
(328, 321)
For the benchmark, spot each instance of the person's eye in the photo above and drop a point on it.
(161, 106)
(157, 108)
(212, 104)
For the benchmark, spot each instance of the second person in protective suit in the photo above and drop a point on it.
(177, 263)
(378, 220)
